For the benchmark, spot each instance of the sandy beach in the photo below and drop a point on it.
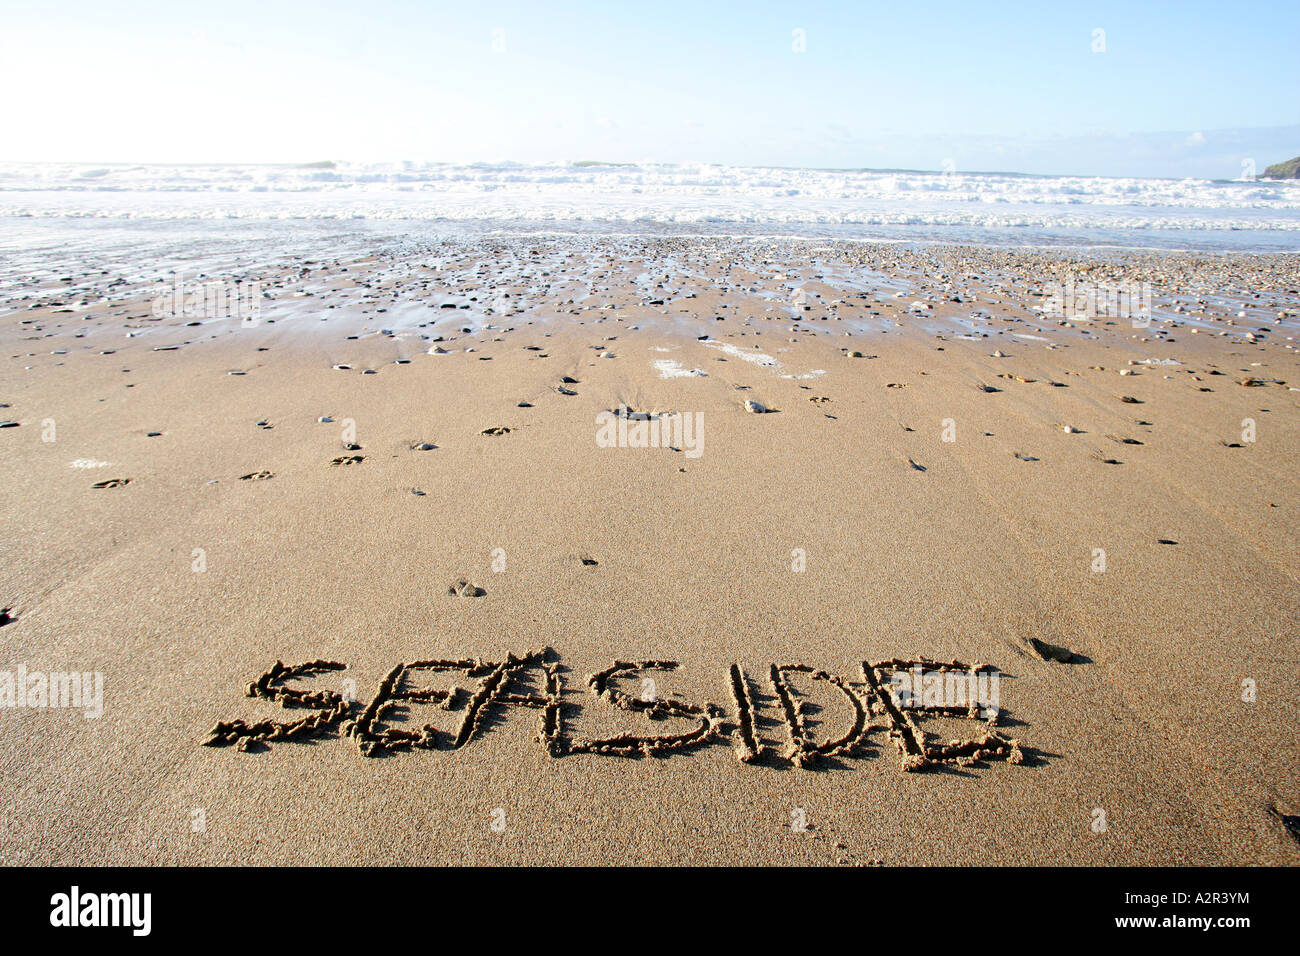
(407, 457)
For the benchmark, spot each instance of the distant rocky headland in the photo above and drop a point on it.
(1288, 170)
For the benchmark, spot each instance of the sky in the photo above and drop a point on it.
(1098, 88)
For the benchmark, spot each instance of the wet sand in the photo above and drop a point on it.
(913, 492)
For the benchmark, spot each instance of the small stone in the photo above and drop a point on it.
(1052, 652)
(464, 589)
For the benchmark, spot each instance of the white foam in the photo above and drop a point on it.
(660, 193)
(669, 368)
(755, 358)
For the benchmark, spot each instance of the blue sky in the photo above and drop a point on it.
(1179, 89)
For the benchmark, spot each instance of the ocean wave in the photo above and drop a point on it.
(667, 184)
(578, 211)
(999, 207)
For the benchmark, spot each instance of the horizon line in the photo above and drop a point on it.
(591, 163)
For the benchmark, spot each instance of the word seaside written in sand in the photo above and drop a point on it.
(892, 690)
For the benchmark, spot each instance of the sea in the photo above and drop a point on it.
(62, 205)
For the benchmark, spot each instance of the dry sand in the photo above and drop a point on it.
(915, 547)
